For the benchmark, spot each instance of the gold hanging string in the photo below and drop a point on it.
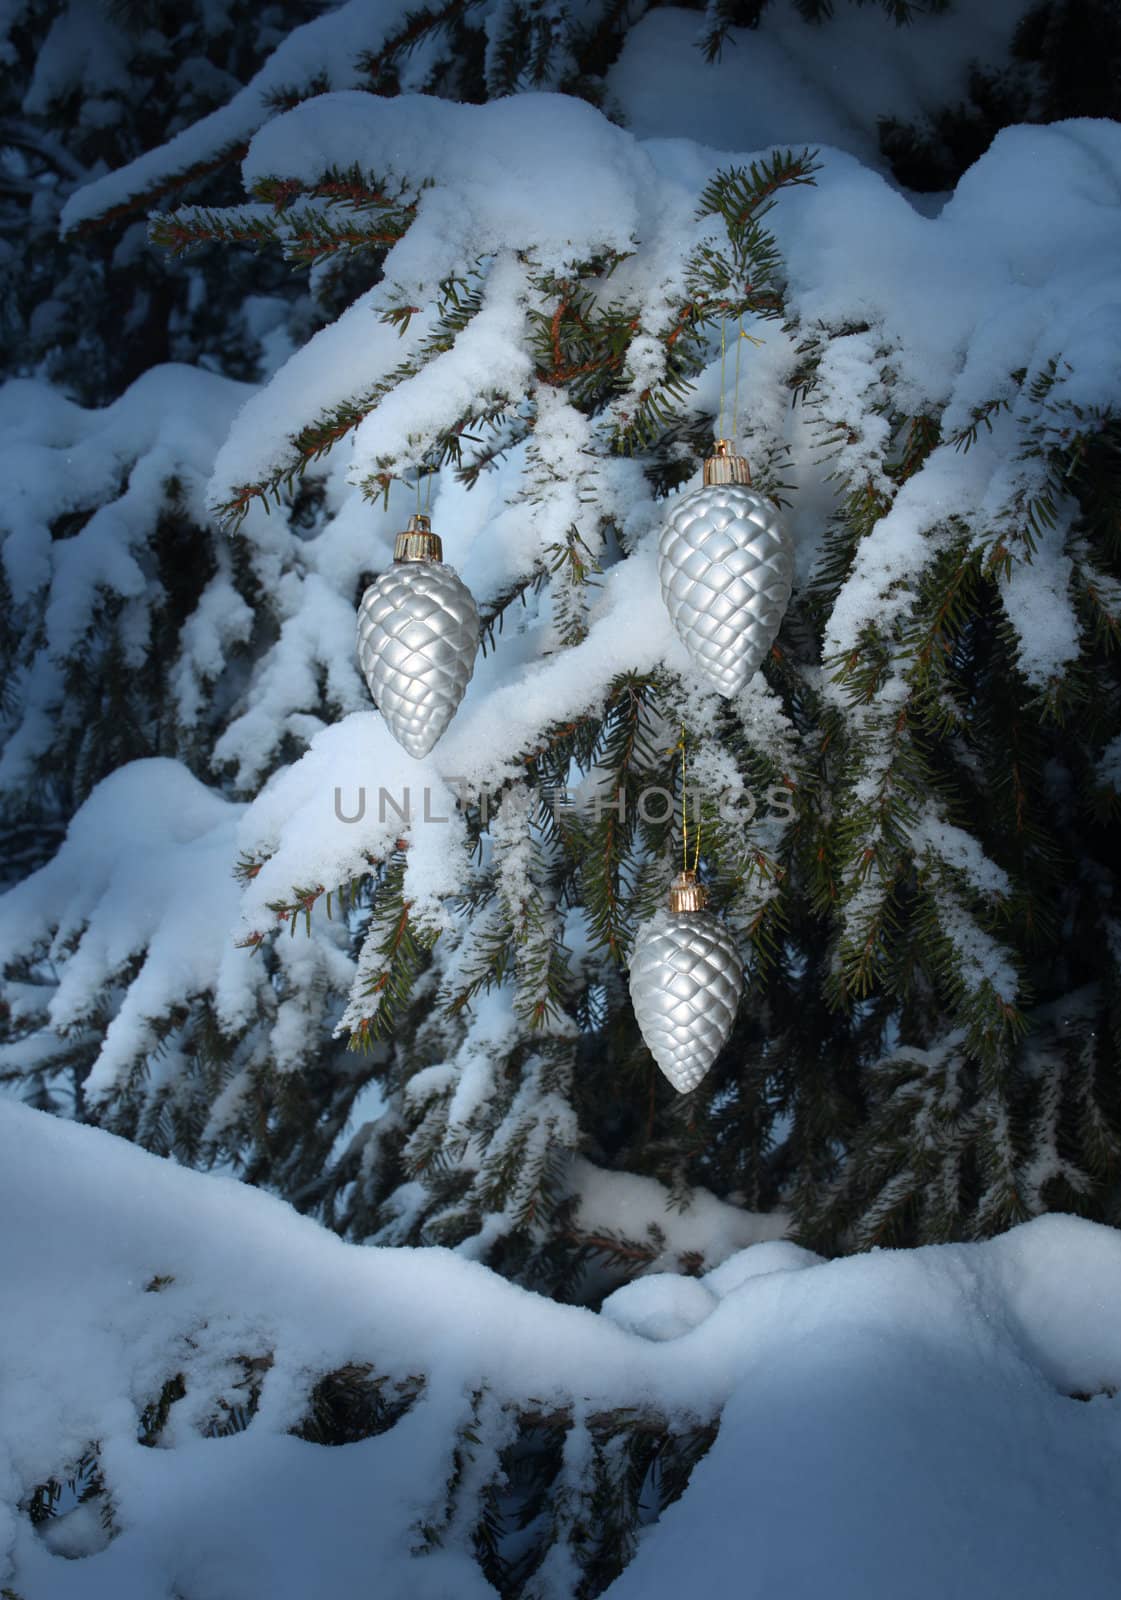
(723, 361)
(418, 491)
(685, 816)
(736, 402)
(697, 851)
(684, 809)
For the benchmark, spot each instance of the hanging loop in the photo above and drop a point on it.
(686, 894)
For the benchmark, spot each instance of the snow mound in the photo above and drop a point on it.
(939, 1418)
(661, 1307)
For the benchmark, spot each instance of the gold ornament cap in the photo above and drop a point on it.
(724, 466)
(686, 894)
(418, 542)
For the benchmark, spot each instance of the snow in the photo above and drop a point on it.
(110, 469)
(349, 356)
(884, 1415)
(297, 823)
(489, 357)
(314, 619)
(331, 47)
(489, 167)
(897, 1412)
(475, 200)
(659, 1308)
(933, 290)
(785, 83)
(134, 919)
(896, 1442)
(145, 872)
(802, 83)
(959, 849)
(59, 458)
(84, 54)
(705, 1229)
(944, 309)
(953, 303)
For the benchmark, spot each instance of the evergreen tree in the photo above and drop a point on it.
(90, 86)
(1065, 61)
(902, 817)
(408, 1012)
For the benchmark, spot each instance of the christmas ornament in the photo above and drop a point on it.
(686, 981)
(726, 566)
(418, 631)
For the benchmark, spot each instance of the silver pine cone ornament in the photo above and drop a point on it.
(726, 566)
(418, 633)
(686, 982)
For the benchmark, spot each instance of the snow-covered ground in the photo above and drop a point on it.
(934, 1423)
